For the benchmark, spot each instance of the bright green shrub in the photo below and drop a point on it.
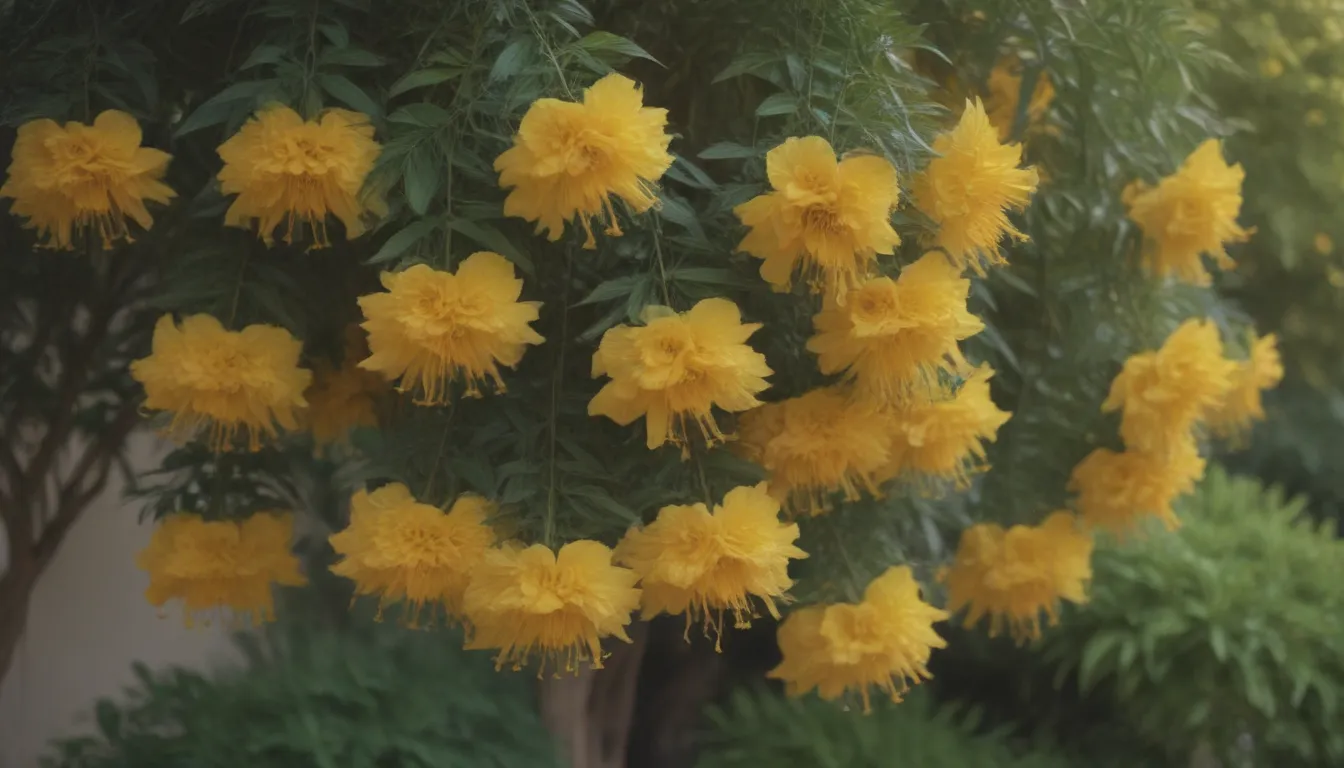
(764, 729)
(1228, 632)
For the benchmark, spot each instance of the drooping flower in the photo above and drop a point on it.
(827, 220)
(894, 336)
(1163, 394)
(1013, 575)
(568, 159)
(814, 445)
(1118, 491)
(341, 399)
(1005, 96)
(1190, 213)
(80, 177)
(224, 381)
(220, 565)
(884, 641)
(970, 185)
(1262, 370)
(676, 367)
(405, 551)
(943, 438)
(433, 328)
(699, 563)
(291, 172)
(560, 606)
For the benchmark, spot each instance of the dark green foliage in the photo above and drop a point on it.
(765, 729)
(1228, 631)
(315, 695)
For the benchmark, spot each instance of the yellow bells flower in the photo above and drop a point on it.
(433, 328)
(559, 605)
(1005, 94)
(827, 220)
(676, 368)
(216, 565)
(568, 159)
(699, 563)
(943, 439)
(969, 187)
(67, 179)
(402, 550)
(1013, 575)
(884, 641)
(1190, 213)
(1119, 491)
(224, 381)
(293, 173)
(341, 399)
(814, 445)
(1163, 394)
(892, 337)
(1262, 370)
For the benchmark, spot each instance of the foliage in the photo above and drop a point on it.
(762, 728)
(1227, 631)
(314, 695)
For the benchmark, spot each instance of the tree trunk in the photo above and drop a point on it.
(590, 713)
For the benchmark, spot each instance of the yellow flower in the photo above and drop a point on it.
(1262, 370)
(221, 564)
(291, 172)
(894, 336)
(433, 328)
(568, 159)
(699, 563)
(816, 444)
(968, 188)
(944, 439)
(1323, 244)
(225, 381)
(402, 550)
(1118, 491)
(884, 641)
(1005, 93)
(82, 176)
(341, 399)
(676, 367)
(827, 219)
(1014, 575)
(1163, 394)
(529, 600)
(1192, 212)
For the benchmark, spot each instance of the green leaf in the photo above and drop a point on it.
(726, 150)
(605, 42)
(224, 105)
(614, 288)
(688, 173)
(346, 92)
(490, 237)
(778, 104)
(336, 34)
(399, 243)
(423, 114)
(424, 77)
(263, 54)
(422, 178)
(707, 276)
(749, 63)
(349, 57)
(511, 60)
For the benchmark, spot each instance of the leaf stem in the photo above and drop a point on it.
(438, 456)
(557, 377)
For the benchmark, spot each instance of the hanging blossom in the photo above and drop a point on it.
(568, 159)
(702, 563)
(559, 605)
(827, 220)
(342, 399)
(1162, 395)
(220, 565)
(968, 188)
(885, 641)
(943, 439)
(223, 381)
(1262, 370)
(292, 173)
(676, 368)
(1190, 213)
(405, 551)
(1005, 95)
(1119, 491)
(76, 177)
(1013, 576)
(814, 445)
(892, 338)
(432, 328)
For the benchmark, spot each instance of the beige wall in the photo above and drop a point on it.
(88, 622)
